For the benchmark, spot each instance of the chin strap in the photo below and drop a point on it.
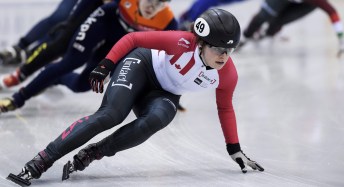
(200, 56)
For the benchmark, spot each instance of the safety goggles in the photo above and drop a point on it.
(220, 50)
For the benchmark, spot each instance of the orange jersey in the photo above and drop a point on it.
(129, 13)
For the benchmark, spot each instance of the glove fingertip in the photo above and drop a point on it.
(260, 168)
(101, 87)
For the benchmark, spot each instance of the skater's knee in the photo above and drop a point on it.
(109, 118)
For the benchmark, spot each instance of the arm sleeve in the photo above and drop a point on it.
(224, 95)
(327, 7)
(159, 40)
(82, 9)
(331, 11)
(199, 6)
(173, 25)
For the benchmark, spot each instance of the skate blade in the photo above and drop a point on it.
(66, 171)
(181, 108)
(18, 180)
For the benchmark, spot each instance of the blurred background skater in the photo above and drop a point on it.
(197, 8)
(52, 44)
(277, 13)
(18, 52)
(95, 37)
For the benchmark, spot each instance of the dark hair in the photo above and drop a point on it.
(199, 40)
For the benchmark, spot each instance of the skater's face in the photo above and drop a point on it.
(149, 8)
(215, 57)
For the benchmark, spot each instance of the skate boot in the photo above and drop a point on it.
(7, 104)
(82, 160)
(32, 170)
(12, 56)
(12, 79)
(256, 38)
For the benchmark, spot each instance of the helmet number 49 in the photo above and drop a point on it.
(201, 27)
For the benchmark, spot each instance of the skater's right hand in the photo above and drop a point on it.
(99, 74)
(240, 158)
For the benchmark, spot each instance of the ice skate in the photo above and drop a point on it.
(32, 170)
(81, 160)
(22, 179)
(10, 80)
(7, 104)
(181, 108)
(12, 56)
(256, 38)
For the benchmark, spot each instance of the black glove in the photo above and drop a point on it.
(99, 74)
(239, 157)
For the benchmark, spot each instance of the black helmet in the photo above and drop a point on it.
(218, 28)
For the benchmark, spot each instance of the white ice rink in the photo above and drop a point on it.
(289, 104)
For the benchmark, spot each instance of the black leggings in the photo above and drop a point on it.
(132, 86)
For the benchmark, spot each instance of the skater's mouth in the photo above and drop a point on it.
(219, 62)
(148, 12)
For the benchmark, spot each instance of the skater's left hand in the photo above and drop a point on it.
(240, 158)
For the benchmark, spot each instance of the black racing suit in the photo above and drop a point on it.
(154, 108)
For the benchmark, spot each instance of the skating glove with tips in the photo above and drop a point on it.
(99, 74)
(239, 157)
